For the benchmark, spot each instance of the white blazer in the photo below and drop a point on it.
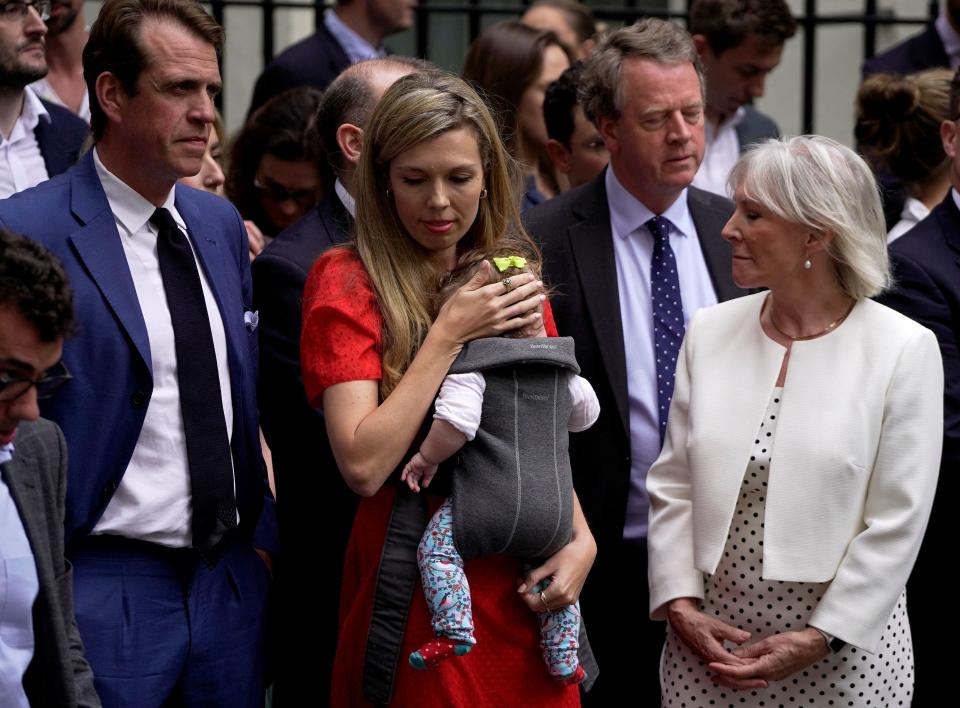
(855, 460)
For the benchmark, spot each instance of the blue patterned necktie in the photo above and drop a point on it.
(667, 308)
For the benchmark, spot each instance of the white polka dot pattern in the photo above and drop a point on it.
(667, 306)
(737, 594)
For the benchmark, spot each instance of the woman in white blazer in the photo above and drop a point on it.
(801, 454)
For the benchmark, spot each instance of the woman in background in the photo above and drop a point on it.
(898, 131)
(513, 64)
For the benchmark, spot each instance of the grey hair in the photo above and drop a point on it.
(601, 92)
(824, 186)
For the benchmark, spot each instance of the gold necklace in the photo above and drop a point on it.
(826, 330)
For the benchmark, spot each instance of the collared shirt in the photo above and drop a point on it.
(346, 198)
(633, 251)
(45, 91)
(19, 586)
(152, 501)
(722, 151)
(354, 46)
(21, 162)
(949, 37)
(914, 211)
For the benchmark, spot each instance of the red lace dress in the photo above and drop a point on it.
(341, 335)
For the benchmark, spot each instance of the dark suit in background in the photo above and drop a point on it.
(926, 267)
(922, 51)
(59, 675)
(60, 139)
(314, 61)
(755, 127)
(315, 508)
(574, 231)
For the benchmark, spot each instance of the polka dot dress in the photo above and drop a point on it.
(737, 594)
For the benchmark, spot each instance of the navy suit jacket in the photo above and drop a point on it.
(61, 139)
(102, 410)
(926, 270)
(922, 51)
(314, 61)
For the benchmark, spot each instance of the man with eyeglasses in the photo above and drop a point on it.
(41, 656)
(38, 139)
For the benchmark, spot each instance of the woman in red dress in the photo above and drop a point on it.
(434, 179)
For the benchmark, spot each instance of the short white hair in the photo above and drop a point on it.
(824, 186)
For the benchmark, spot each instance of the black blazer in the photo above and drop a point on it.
(922, 51)
(314, 61)
(61, 139)
(59, 675)
(574, 232)
(926, 269)
(313, 501)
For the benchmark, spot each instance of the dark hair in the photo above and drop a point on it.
(348, 99)
(559, 103)
(898, 122)
(114, 43)
(727, 23)
(285, 127)
(579, 17)
(503, 62)
(34, 283)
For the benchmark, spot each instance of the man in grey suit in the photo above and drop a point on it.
(41, 655)
(740, 42)
(613, 249)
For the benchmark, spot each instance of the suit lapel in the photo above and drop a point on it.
(97, 244)
(948, 218)
(709, 221)
(591, 245)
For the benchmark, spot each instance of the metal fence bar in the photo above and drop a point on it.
(870, 19)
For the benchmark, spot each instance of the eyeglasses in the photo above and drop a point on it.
(16, 11)
(278, 193)
(47, 383)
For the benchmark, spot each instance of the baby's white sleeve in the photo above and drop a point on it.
(460, 402)
(586, 407)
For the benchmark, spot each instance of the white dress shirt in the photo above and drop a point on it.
(345, 198)
(18, 589)
(152, 501)
(354, 46)
(914, 211)
(21, 162)
(722, 151)
(45, 91)
(949, 37)
(633, 251)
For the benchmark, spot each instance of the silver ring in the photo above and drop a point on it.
(543, 599)
(506, 284)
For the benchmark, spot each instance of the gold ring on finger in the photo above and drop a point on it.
(543, 599)
(507, 285)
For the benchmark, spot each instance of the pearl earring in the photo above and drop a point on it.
(807, 265)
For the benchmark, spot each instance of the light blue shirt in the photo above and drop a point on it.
(633, 251)
(18, 589)
(354, 46)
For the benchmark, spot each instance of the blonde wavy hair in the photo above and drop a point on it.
(418, 108)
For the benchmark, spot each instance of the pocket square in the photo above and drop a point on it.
(251, 318)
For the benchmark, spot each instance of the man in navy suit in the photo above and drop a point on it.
(926, 50)
(40, 139)
(167, 482)
(642, 87)
(926, 269)
(350, 32)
